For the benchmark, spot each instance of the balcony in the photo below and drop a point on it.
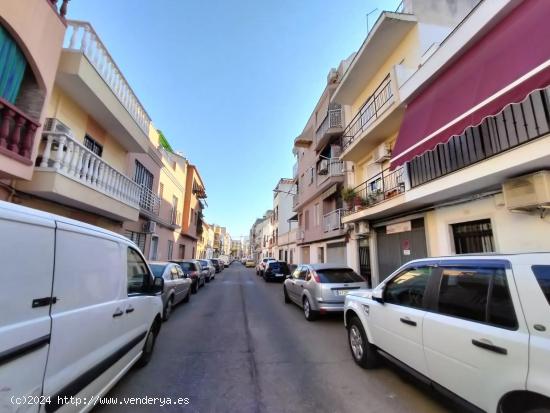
(149, 202)
(381, 187)
(328, 168)
(333, 220)
(331, 125)
(17, 131)
(89, 75)
(71, 174)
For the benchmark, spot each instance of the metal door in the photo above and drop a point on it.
(364, 261)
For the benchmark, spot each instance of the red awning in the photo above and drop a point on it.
(507, 64)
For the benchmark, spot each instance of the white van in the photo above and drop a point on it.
(78, 307)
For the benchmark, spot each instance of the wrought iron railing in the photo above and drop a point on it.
(374, 106)
(148, 200)
(333, 119)
(333, 220)
(62, 10)
(378, 188)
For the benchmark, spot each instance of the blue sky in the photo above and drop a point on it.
(231, 83)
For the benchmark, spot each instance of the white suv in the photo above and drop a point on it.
(476, 328)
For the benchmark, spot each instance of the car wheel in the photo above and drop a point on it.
(308, 312)
(363, 352)
(188, 296)
(207, 280)
(287, 298)
(168, 307)
(148, 347)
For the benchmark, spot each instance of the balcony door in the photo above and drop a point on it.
(12, 67)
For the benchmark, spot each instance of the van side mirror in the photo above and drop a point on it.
(378, 295)
(158, 285)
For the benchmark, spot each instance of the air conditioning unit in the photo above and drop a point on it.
(150, 227)
(381, 153)
(527, 192)
(322, 169)
(362, 228)
(55, 125)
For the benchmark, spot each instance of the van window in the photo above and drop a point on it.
(408, 288)
(477, 294)
(542, 274)
(339, 275)
(138, 274)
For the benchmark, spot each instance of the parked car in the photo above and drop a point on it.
(177, 285)
(210, 269)
(474, 327)
(225, 260)
(321, 288)
(73, 297)
(194, 270)
(249, 263)
(261, 265)
(217, 264)
(276, 271)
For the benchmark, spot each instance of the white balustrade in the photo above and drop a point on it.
(81, 36)
(63, 154)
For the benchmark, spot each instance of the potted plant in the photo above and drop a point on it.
(348, 196)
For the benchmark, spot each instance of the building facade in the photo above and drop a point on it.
(284, 221)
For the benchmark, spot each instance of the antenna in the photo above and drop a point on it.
(368, 14)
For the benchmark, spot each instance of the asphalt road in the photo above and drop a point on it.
(236, 347)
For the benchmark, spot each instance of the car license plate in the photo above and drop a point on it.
(343, 292)
(279, 275)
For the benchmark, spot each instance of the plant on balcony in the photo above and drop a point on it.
(348, 195)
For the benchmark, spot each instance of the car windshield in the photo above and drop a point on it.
(158, 269)
(204, 263)
(279, 267)
(339, 275)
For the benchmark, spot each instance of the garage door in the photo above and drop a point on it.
(336, 253)
(396, 248)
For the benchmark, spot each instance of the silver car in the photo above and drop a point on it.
(177, 285)
(208, 265)
(321, 288)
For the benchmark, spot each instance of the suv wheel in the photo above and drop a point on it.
(149, 346)
(308, 312)
(363, 352)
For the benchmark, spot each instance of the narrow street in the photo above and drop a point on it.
(236, 347)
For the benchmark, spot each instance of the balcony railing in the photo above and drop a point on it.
(17, 131)
(375, 105)
(517, 124)
(333, 119)
(149, 201)
(380, 187)
(333, 220)
(64, 155)
(82, 36)
(328, 168)
(62, 10)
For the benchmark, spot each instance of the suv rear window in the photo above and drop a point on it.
(542, 274)
(279, 267)
(339, 275)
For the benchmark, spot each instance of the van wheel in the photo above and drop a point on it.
(148, 347)
(308, 312)
(363, 352)
(168, 309)
(287, 298)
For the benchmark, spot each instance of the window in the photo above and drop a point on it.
(138, 238)
(142, 176)
(311, 174)
(473, 237)
(320, 254)
(12, 69)
(92, 145)
(192, 215)
(182, 250)
(174, 210)
(542, 274)
(138, 274)
(170, 249)
(302, 273)
(408, 288)
(477, 294)
(306, 219)
(316, 215)
(339, 275)
(158, 269)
